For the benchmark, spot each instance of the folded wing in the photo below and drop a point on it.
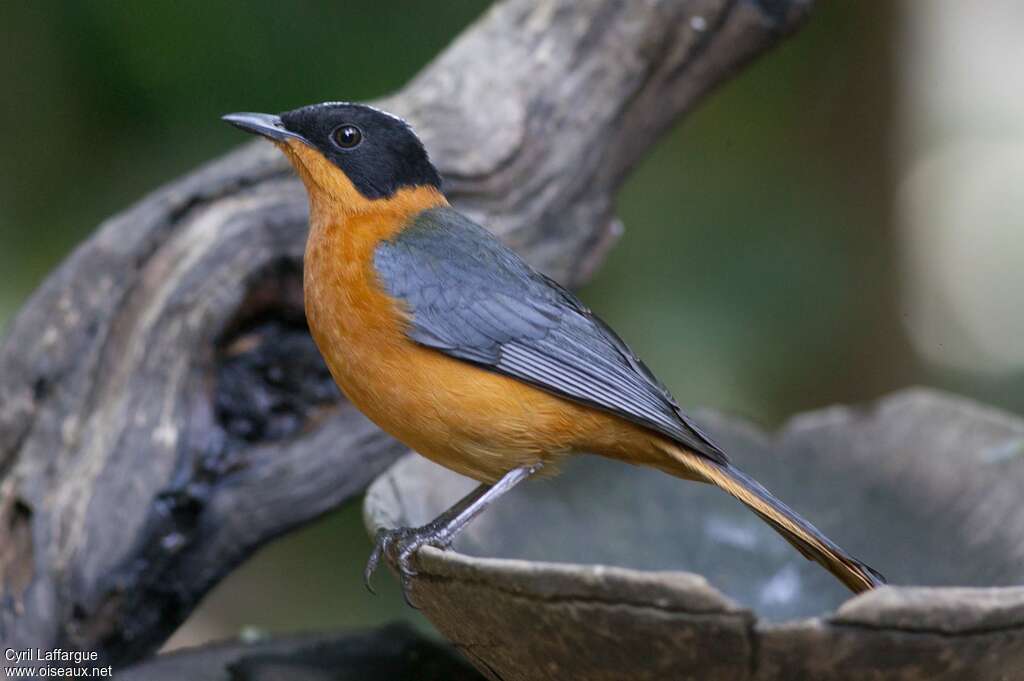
(473, 298)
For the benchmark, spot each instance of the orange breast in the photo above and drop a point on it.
(474, 421)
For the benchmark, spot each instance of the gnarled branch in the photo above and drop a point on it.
(163, 411)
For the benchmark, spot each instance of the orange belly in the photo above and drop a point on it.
(471, 420)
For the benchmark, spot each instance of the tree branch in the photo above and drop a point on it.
(163, 412)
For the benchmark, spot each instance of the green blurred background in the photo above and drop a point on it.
(764, 269)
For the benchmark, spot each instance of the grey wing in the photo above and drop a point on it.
(472, 298)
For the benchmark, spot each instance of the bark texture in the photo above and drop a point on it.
(163, 411)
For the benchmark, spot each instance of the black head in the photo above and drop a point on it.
(378, 152)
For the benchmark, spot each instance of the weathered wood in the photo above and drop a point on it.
(924, 486)
(162, 409)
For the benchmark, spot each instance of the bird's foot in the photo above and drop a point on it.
(400, 546)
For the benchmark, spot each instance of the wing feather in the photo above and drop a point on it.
(473, 298)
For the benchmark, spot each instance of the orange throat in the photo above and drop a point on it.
(358, 328)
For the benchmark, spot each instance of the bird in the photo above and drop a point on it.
(452, 343)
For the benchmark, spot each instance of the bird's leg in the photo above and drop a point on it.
(402, 543)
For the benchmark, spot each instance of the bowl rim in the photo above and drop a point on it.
(942, 610)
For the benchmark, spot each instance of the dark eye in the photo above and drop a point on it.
(347, 136)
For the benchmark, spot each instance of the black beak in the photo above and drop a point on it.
(268, 125)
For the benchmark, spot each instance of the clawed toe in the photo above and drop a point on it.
(379, 546)
(400, 546)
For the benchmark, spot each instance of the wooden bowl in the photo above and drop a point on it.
(616, 572)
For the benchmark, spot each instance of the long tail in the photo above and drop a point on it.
(805, 537)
